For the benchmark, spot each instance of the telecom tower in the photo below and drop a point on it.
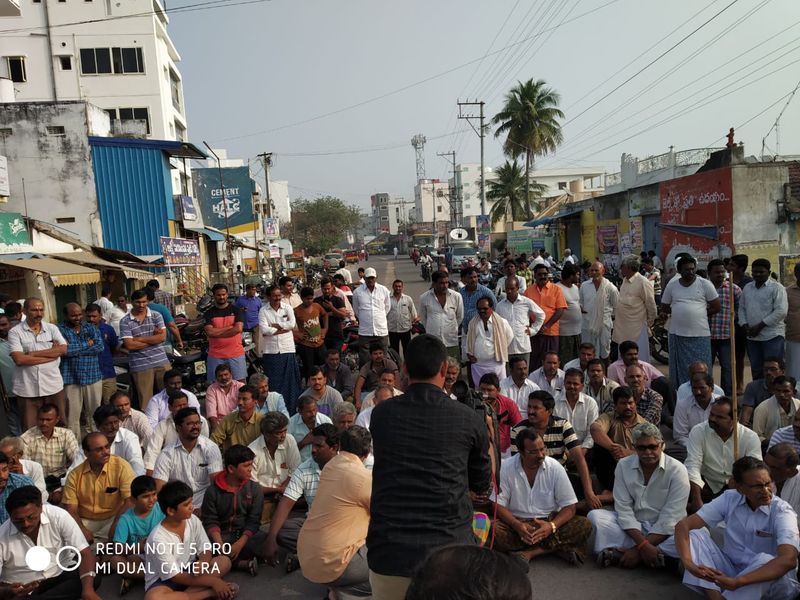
(418, 141)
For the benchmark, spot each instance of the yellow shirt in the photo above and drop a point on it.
(338, 520)
(99, 497)
(232, 430)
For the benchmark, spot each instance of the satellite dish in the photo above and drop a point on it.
(459, 234)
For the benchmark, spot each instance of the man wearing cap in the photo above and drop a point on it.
(371, 304)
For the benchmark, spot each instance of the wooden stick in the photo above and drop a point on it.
(734, 400)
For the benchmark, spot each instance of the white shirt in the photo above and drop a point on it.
(195, 468)
(164, 436)
(518, 394)
(401, 313)
(33, 381)
(364, 417)
(768, 417)
(791, 493)
(660, 502)
(345, 272)
(34, 470)
(550, 493)
(582, 416)
(517, 314)
(484, 337)
(689, 306)
(588, 296)
(268, 318)
(57, 529)
(688, 413)
(571, 319)
(299, 430)
(158, 408)
(125, 445)
(569, 259)
(176, 554)
(271, 472)
(684, 391)
(500, 289)
(750, 532)
(710, 459)
(538, 377)
(768, 304)
(442, 322)
(371, 308)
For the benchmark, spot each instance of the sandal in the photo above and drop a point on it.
(252, 566)
(573, 558)
(608, 558)
(292, 563)
(234, 588)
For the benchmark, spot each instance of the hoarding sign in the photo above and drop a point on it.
(234, 202)
(180, 252)
(608, 239)
(272, 227)
(14, 236)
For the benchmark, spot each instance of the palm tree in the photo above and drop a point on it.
(508, 195)
(529, 119)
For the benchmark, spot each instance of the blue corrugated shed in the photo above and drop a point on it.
(134, 190)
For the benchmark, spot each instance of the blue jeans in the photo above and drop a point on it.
(758, 351)
(721, 350)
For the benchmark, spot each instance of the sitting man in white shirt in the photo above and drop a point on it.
(517, 386)
(598, 386)
(684, 391)
(577, 408)
(586, 353)
(33, 523)
(693, 409)
(778, 410)
(157, 408)
(165, 435)
(783, 461)
(14, 450)
(387, 378)
(710, 457)
(381, 394)
(549, 377)
(536, 500)
(759, 555)
(650, 494)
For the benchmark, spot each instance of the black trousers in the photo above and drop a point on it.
(66, 586)
(309, 357)
(398, 338)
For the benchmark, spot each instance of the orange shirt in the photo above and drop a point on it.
(549, 298)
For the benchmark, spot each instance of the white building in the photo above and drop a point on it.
(279, 194)
(467, 181)
(432, 201)
(390, 214)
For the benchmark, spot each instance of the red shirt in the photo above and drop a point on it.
(507, 417)
(224, 347)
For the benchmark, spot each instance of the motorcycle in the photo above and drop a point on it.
(349, 349)
(659, 343)
(426, 271)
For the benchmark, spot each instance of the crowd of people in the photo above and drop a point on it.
(527, 418)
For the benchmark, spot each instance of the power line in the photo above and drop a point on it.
(368, 149)
(405, 87)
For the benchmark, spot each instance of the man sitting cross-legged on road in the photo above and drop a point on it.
(650, 494)
(536, 505)
(759, 555)
(165, 434)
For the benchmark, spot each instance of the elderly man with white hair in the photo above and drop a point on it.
(650, 494)
(636, 308)
(598, 298)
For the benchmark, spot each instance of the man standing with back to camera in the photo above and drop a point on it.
(429, 453)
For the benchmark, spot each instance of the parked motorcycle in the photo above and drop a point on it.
(659, 343)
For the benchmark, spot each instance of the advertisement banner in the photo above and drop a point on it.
(637, 242)
(14, 236)
(188, 208)
(607, 239)
(274, 251)
(235, 202)
(180, 252)
(482, 225)
(272, 228)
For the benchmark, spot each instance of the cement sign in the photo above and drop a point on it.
(180, 252)
(232, 205)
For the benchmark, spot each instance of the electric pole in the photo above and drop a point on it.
(456, 212)
(481, 134)
(266, 157)
(228, 241)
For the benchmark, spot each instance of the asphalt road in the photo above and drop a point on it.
(551, 578)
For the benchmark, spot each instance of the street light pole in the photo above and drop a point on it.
(228, 246)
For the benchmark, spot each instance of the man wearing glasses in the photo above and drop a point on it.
(650, 494)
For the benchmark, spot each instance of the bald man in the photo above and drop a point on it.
(598, 298)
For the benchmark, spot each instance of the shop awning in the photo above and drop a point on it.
(85, 258)
(212, 235)
(568, 212)
(542, 221)
(61, 272)
(710, 232)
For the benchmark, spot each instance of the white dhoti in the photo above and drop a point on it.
(644, 343)
(705, 552)
(601, 341)
(480, 368)
(793, 359)
(608, 534)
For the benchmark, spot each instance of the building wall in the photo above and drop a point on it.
(432, 201)
(279, 193)
(57, 169)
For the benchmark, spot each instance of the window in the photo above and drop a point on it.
(16, 69)
(562, 185)
(65, 62)
(105, 61)
(175, 86)
(112, 113)
(66, 219)
(135, 114)
(467, 207)
(439, 208)
(57, 130)
(180, 132)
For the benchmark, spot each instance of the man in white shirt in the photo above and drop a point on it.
(598, 386)
(276, 458)
(510, 269)
(536, 501)
(549, 377)
(124, 443)
(402, 315)
(586, 353)
(577, 408)
(778, 410)
(650, 494)
(157, 408)
(488, 338)
(132, 419)
(165, 435)
(517, 386)
(568, 257)
(569, 331)
(783, 460)
(598, 298)
(788, 435)
(194, 459)
(344, 272)
(710, 458)
(684, 391)
(277, 322)
(524, 316)
(758, 557)
(441, 311)
(694, 409)
(371, 305)
(13, 449)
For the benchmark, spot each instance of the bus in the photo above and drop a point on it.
(423, 240)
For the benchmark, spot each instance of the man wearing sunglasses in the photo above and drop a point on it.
(650, 494)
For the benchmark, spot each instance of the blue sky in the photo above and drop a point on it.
(251, 72)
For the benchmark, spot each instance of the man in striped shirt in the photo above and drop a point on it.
(561, 443)
(789, 434)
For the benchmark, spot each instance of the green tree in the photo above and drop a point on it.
(530, 121)
(320, 224)
(507, 193)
